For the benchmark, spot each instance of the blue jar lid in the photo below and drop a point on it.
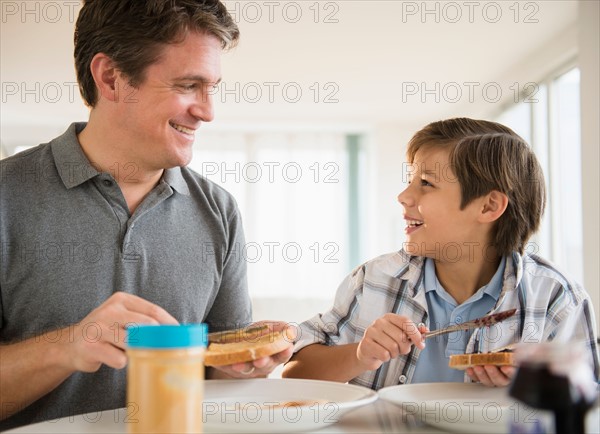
(167, 336)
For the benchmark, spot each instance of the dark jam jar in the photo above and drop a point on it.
(554, 378)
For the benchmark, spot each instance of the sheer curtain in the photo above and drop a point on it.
(550, 122)
(293, 193)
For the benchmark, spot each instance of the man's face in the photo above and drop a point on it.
(158, 119)
(436, 227)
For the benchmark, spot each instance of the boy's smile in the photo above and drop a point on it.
(412, 224)
(436, 227)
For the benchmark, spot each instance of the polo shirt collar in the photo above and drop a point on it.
(74, 168)
(176, 181)
(492, 288)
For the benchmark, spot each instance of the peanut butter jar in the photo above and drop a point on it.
(165, 378)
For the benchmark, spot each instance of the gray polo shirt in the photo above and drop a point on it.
(68, 243)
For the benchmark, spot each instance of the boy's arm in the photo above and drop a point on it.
(578, 328)
(387, 338)
(322, 362)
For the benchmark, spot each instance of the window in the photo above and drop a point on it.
(550, 122)
(295, 195)
(299, 205)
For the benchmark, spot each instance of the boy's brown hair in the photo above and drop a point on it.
(486, 156)
(133, 32)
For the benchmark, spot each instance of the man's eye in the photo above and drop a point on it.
(187, 87)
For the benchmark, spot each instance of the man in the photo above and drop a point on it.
(105, 226)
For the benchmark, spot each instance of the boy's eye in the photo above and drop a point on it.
(425, 183)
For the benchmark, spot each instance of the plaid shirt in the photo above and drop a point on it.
(549, 306)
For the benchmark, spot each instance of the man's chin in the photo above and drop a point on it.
(180, 160)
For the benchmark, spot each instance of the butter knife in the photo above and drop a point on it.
(484, 321)
(229, 336)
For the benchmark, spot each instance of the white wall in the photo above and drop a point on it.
(369, 52)
(589, 61)
(389, 145)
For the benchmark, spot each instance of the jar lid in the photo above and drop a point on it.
(167, 336)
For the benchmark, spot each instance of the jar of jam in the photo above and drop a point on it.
(165, 378)
(556, 378)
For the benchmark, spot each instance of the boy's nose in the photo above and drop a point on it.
(404, 198)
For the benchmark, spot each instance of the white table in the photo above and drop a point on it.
(379, 417)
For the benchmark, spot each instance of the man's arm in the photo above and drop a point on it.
(29, 370)
(32, 368)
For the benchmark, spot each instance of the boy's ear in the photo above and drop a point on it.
(105, 75)
(494, 205)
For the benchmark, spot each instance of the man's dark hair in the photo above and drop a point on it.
(134, 32)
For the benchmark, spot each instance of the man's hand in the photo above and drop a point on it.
(388, 337)
(265, 365)
(32, 368)
(100, 337)
(492, 376)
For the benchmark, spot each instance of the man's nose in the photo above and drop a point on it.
(203, 107)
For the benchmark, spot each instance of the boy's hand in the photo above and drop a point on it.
(492, 376)
(388, 337)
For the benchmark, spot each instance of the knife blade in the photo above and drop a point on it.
(229, 336)
(484, 321)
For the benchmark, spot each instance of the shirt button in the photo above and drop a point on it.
(458, 319)
(107, 182)
(402, 379)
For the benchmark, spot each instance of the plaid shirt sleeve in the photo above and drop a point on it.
(382, 285)
(550, 307)
(338, 325)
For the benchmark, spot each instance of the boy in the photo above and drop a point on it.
(475, 196)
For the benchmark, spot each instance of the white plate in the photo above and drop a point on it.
(465, 407)
(263, 405)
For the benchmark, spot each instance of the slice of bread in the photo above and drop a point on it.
(464, 361)
(245, 349)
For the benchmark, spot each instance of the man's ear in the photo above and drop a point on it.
(494, 205)
(105, 75)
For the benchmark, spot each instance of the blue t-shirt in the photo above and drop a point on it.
(432, 365)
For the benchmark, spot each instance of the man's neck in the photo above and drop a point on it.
(463, 278)
(104, 150)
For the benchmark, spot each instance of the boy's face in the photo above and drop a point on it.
(436, 227)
